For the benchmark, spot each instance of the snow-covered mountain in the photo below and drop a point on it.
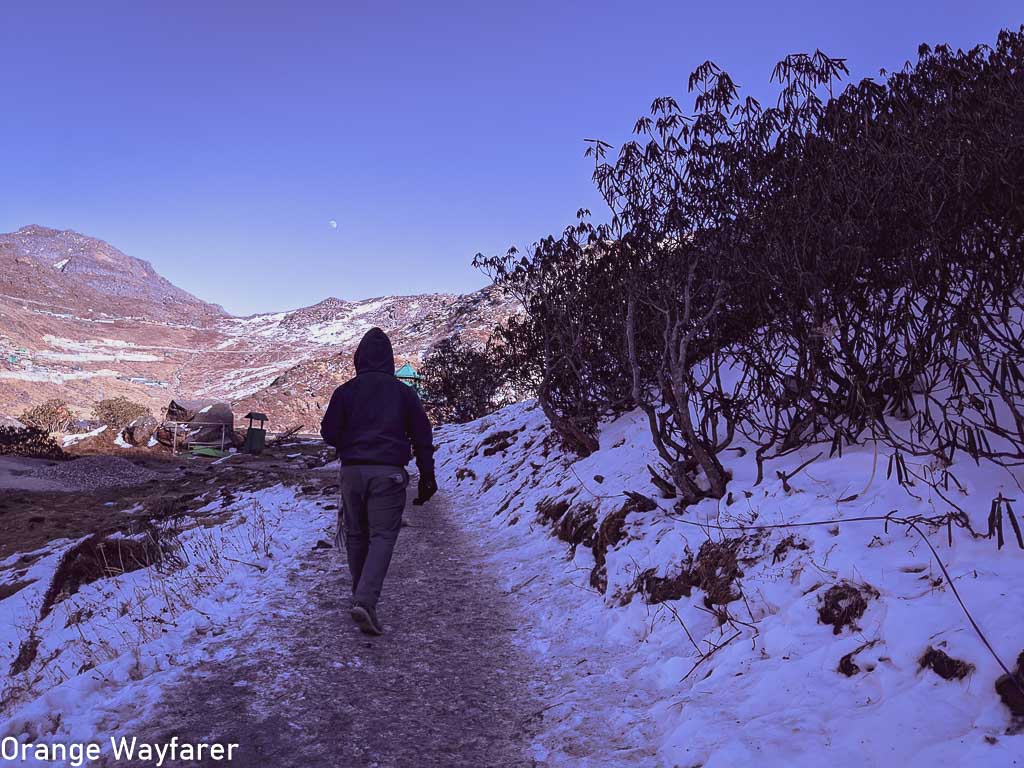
(288, 363)
(80, 320)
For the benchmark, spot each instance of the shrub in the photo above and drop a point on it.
(567, 348)
(52, 416)
(118, 412)
(847, 265)
(461, 382)
(30, 442)
(899, 307)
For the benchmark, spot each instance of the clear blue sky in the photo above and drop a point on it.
(218, 139)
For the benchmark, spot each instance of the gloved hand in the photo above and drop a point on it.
(427, 487)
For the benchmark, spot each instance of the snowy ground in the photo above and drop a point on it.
(756, 681)
(733, 670)
(104, 654)
(445, 687)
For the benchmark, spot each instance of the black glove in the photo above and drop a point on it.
(427, 487)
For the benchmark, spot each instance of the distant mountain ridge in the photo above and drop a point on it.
(39, 263)
(81, 320)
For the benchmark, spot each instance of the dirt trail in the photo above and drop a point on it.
(445, 686)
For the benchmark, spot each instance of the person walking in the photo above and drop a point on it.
(376, 422)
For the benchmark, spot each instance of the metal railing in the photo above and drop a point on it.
(188, 432)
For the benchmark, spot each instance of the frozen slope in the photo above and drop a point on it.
(741, 671)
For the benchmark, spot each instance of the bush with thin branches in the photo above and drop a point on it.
(51, 416)
(844, 266)
(118, 412)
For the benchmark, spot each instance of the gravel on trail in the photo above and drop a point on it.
(299, 685)
(93, 473)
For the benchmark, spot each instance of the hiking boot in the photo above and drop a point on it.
(366, 619)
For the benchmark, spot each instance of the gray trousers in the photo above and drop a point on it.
(373, 498)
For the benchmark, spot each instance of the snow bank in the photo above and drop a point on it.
(100, 658)
(741, 671)
(78, 437)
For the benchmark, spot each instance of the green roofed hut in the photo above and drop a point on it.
(410, 377)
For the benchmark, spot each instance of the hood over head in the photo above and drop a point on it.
(374, 353)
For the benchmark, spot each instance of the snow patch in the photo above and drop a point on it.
(77, 438)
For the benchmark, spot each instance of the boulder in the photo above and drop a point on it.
(138, 431)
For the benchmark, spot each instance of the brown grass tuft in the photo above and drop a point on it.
(843, 604)
(94, 559)
(944, 665)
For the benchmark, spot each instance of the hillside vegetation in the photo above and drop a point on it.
(779, 415)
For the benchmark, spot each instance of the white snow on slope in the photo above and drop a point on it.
(57, 377)
(636, 679)
(244, 381)
(98, 357)
(70, 440)
(349, 325)
(88, 345)
(106, 652)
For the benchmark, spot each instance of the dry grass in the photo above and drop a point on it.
(94, 559)
(792, 541)
(715, 570)
(127, 614)
(578, 526)
(12, 588)
(551, 510)
(498, 442)
(944, 665)
(843, 605)
(610, 533)
(1011, 690)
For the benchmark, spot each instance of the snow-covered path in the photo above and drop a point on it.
(300, 686)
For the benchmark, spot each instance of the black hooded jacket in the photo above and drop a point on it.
(373, 418)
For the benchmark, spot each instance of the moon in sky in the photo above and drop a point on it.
(332, 224)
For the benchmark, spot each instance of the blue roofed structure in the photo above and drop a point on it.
(410, 377)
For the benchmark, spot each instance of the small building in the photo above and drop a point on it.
(255, 437)
(191, 423)
(410, 377)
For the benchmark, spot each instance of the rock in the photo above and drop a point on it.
(1012, 693)
(1011, 688)
(138, 431)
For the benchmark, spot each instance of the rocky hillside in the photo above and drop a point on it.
(287, 364)
(81, 320)
(64, 269)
